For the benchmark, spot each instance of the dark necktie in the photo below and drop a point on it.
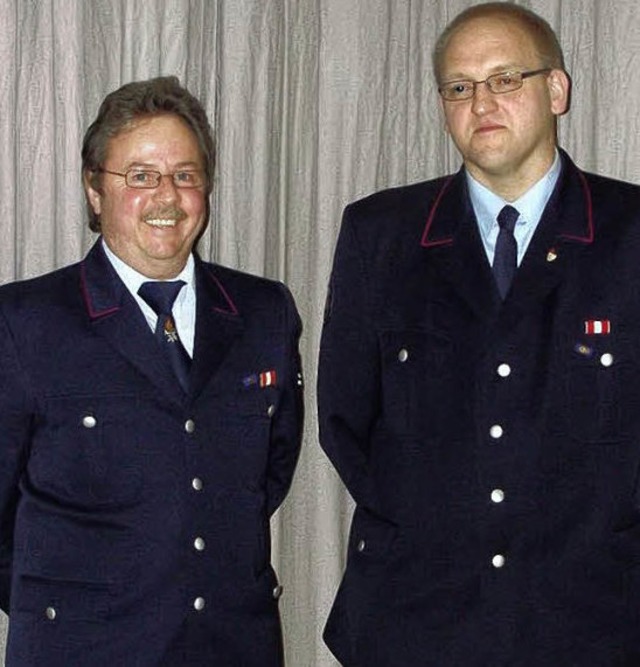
(160, 296)
(506, 256)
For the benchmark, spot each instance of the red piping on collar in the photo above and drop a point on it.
(432, 214)
(232, 306)
(587, 196)
(583, 239)
(85, 293)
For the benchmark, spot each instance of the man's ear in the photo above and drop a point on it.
(93, 196)
(559, 85)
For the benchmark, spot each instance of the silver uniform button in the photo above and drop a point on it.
(198, 544)
(277, 592)
(498, 561)
(271, 410)
(362, 545)
(403, 355)
(197, 484)
(504, 370)
(89, 421)
(496, 431)
(606, 359)
(198, 604)
(189, 426)
(497, 495)
(50, 613)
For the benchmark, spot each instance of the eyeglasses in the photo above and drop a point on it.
(147, 179)
(503, 82)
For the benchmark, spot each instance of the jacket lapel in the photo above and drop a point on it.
(565, 229)
(452, 242)
(218, 325)
(115, 315)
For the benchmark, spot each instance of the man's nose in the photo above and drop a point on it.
(166, 190)
(483, 99)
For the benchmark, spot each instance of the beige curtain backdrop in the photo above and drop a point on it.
(314, 103)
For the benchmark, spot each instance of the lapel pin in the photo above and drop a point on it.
(552, 255)
(250, 380)
(169, 330)
(583, 350)
(597, 327)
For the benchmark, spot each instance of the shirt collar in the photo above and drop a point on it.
(133, 279)
(487, 205)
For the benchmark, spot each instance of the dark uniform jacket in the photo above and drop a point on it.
(492, 448)
(134, 519)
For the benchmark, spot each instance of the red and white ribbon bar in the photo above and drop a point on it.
(597, 327)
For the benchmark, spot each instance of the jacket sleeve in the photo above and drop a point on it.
(287, 423)
(15, 427)
(348, 372)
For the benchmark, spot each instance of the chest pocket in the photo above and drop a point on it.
(86, 451)
(240, 428)
(417, 380)
(592, 394)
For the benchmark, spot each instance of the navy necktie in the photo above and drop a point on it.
(160, 296)
(505, 259)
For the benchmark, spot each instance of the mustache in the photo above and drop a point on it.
(168, 212)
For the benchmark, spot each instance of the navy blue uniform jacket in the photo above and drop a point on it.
(109, 474)
(492, 448)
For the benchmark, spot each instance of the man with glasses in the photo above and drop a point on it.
(150, 413)
(478, 384)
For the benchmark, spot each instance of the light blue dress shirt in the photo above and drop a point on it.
(531, 204)
(184, 307)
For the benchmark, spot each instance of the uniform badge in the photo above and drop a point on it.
(552, 255)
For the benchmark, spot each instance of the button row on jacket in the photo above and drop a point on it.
(197, 485)
(496, 432)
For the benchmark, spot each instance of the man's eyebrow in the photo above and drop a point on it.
(154, 166)
(497, 69)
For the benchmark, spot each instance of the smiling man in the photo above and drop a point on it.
(151, 415)
(478, 384)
